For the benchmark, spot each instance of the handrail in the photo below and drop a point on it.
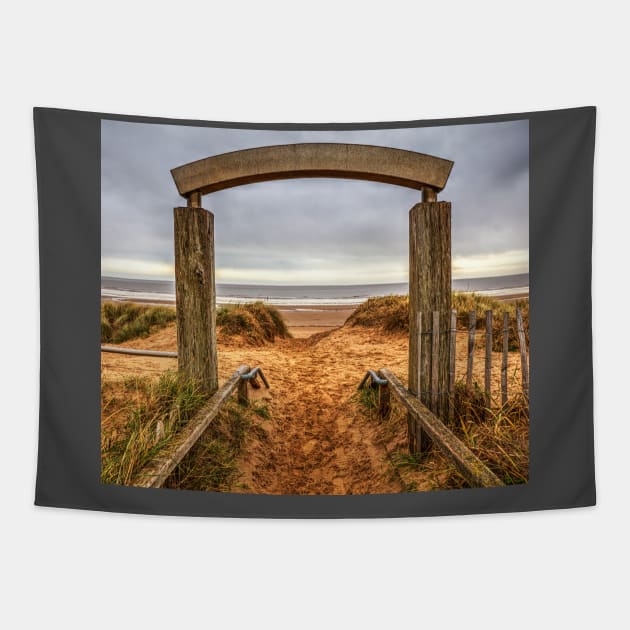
(143, 353)
(155, 473)
(469, 465)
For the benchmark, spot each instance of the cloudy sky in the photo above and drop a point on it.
(314, 231)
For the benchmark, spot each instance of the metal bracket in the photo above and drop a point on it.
(375, 379)
(251, 376)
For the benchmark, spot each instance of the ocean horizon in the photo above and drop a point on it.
(128, 289)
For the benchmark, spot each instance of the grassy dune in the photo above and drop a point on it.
(256, 323)
(122, 321)
(391, 314)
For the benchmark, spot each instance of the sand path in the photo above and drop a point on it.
(317, 440)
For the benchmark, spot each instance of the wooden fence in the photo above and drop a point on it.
(476, 473)
(429, 391)
(155, 473)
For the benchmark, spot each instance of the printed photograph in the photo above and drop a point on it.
(316, 312)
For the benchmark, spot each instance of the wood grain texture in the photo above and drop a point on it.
(429, 291)
(436, 333)
(472, 331)
(488, 366)
(504, 359)
(523, 350)
(476, 473)
(196, 296)
(452, 341)
(313, 159)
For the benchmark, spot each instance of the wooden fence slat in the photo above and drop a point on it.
(504, 362)
(472, 330)
(523, 349)
(451, 365)
(488, 371)
(413, 431)
(155, 473)
(435, 354)
(469, 465)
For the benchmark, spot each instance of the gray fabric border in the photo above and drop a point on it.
(67, 145)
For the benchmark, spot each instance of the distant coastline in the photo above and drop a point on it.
(163, 291)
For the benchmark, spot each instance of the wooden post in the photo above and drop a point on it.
(504, 361)
(429, 290)
(383, 402)
(195, 293)
(451, 366)
(435, 352)
(523, 349)
(243, 392)
(415, 432)
(472, 330)
(488, 374)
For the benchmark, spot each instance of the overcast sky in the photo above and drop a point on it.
(314, 231)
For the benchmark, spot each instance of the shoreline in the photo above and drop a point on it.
(306, 307)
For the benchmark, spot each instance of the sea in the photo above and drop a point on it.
(163, 291)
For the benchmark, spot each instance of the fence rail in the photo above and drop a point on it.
(138, 352)
(476, 473)
(155, 473)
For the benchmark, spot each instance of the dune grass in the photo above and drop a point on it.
(140, 415)
(122, 321)
(149, 411)
(391, 314)
(257, 323)
(212, 463)
(499, 436)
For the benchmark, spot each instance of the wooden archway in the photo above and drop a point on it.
(429, 242)
(314, 159)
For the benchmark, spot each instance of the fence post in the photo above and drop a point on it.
(504, 361)
(414, 430)
(429, 290)
(243, 392)
(435, 355)
(451, 365)
(196, 295)
(472, 330)
(383, 402)
(523, 349)
(488, 371)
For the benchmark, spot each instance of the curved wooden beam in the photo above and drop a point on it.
(318, 159)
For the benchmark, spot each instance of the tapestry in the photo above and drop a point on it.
(315, 320)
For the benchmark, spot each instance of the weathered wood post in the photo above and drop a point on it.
(472, 329)
(243, 392)
(504, 359)
(452, 341)
(384, 402)
(429, 291)
(488, 367)
(195, 294)
(523, 349)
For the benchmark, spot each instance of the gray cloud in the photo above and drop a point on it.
(299, 224)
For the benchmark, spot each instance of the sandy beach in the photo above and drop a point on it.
(304, 321)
